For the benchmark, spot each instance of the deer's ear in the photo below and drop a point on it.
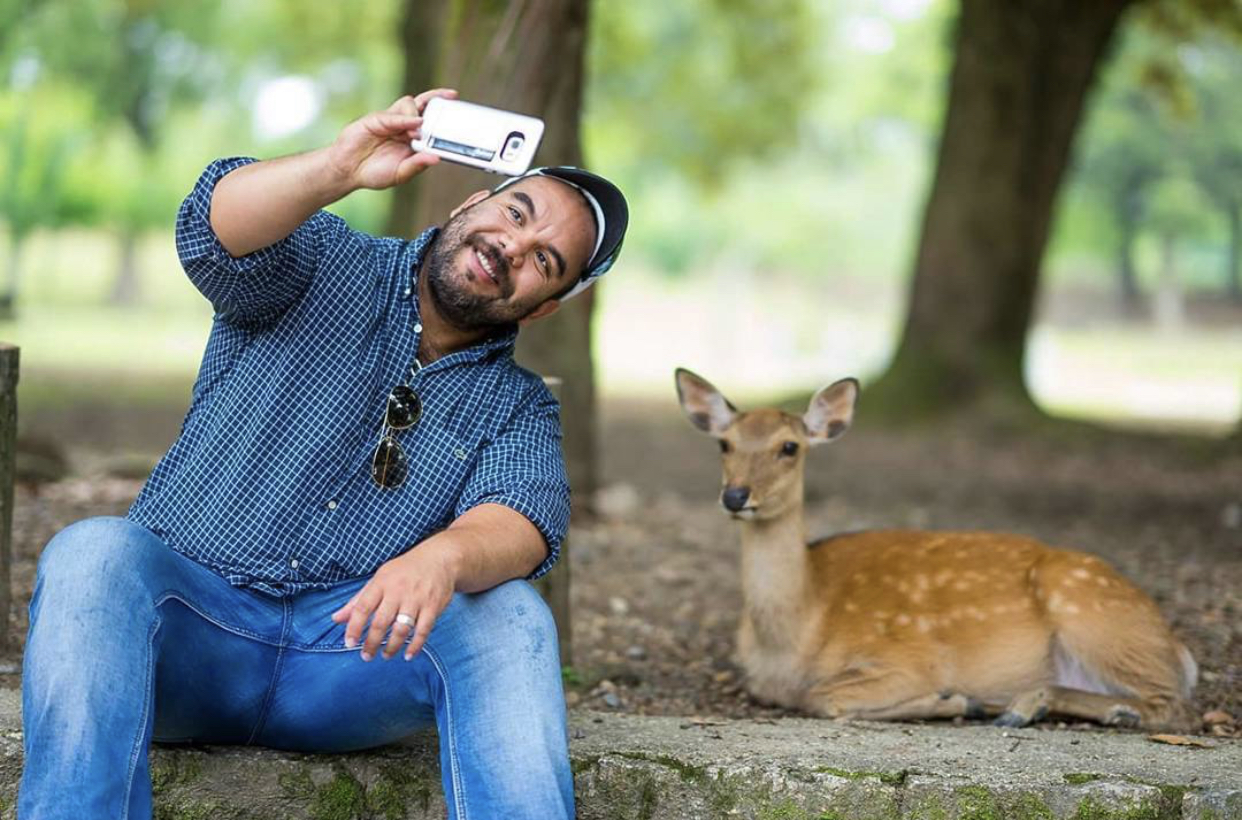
(831, 411)
(703, 404)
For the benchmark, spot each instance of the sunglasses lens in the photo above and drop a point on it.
(388, 465)
(404, 407)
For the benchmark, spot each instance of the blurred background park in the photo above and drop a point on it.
(1022, 216)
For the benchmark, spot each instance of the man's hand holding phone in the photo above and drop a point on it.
(374, 151)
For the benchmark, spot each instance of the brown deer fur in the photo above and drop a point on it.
(904, 624)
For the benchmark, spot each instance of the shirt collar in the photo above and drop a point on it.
(500, 343)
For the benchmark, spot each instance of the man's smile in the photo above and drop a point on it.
(488, 265)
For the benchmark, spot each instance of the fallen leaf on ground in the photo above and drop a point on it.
(1181, 740)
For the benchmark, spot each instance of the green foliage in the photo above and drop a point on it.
(699, 85)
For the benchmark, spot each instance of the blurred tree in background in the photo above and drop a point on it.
(1020, 81)
(787, 142)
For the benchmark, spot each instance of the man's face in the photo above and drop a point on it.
(501, 257)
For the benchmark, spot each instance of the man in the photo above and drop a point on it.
(363, 472)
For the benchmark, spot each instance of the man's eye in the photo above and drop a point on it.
(543, 260)
(516, 214)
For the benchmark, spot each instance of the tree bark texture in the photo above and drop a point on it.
(1020, 77)
(420, 44)
(10, 357)
(526, 56)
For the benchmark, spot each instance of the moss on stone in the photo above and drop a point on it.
(395, 788)
(977, 803)
(579, 765)
(1079, 778)
(686, 771)
(172, 770)
(1091, 809)
(887, 778)
(341, 798)
(786, 809)
(1030, 806)
(297, 784)
(193, 810)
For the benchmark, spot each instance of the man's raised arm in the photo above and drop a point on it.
(260, 204)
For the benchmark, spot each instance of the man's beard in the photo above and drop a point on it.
(454, 300)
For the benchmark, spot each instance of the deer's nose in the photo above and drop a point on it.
(734, 498)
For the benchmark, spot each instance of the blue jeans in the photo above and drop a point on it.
(131, 642)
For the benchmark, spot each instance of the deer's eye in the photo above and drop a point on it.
(789, 448)
(724, 446)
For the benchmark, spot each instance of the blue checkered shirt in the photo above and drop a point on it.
(269, 483)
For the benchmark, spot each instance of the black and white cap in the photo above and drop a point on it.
(612, 216)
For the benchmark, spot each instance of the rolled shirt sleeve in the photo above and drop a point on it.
(523, 469)
(254, 289)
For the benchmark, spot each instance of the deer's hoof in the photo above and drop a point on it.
(1123, 716)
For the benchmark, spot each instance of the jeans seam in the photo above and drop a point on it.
(146, 712)
(459, 793)
(245, 633)
(285, 626)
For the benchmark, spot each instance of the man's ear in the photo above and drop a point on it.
(546, 309)
(473, 199)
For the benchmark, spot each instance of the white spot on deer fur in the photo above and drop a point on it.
(902, 620)
(921, 581)
(1102, 581)
(925, 623)
(960, 585)
(1081, 573)
(1071, 609)
(850, 606)
(942, 577)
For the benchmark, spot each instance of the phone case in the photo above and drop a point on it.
(494, 140)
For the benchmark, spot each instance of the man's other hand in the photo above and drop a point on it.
(418, 583)
(374, 151)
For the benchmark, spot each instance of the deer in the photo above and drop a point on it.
(921, 624)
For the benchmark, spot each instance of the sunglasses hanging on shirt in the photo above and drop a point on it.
(388, 463)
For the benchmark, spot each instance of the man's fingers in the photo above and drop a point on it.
(395, 125)
(400, 631)
(380, 621)
(362, 607)
(420, 102)
(422, 628)
(343, 613)
(412, 165)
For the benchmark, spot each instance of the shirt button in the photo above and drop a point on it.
(331, 505)
(407, 291)
(294, 563)
(418, 327)
(460, 453)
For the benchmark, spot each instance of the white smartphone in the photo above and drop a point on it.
(501, 142)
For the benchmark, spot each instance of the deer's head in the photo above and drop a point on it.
(763, 450)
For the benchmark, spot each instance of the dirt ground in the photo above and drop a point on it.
(656, 589)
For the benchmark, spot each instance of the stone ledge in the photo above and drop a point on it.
(671, 768)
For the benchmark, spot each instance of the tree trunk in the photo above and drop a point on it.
(8, 299)
(420, 37)
(1020, 77)
(125, 285)
(1129, 212)
(527, 57)
(1233, 262)
(1168, 306)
